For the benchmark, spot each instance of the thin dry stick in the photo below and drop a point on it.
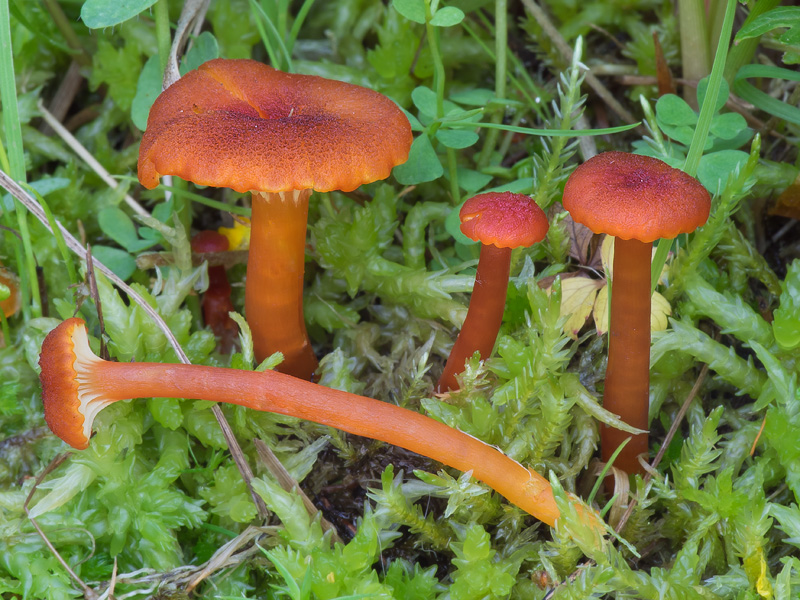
(667, 440)
(87, 157)
(193, 13)
(13, 188)
(290, 484)
(561, 45)
(222, 556)
(88, 592)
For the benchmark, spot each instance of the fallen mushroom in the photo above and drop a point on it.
(243, 125)
(77, 385)
(636, 199)
(501, 221)
(216, 302)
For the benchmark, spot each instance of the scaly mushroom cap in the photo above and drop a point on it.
(246, 126)
(635, 197)
(65, 359)
(503, 219)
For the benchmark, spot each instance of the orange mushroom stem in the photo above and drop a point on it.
(500, 221)
(77, 385)
(637, 199)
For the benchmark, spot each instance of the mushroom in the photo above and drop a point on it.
(11, 304)
(77, 385)
(636, 199)
(500, 221)
(216, 301)
(244, 125)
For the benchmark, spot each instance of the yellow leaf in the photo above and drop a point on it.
(577, 297)
(238, 235)
(600, 311)
(659, 311)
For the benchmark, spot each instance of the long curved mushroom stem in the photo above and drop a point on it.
(627, 385)
(484, 316)
(274, 292)
(77, 384)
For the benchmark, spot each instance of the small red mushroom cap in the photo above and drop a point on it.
(635, 197)
(243, 125)
(209, 240)
(503, 219)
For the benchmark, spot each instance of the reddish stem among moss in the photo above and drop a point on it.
(217, 304)
(77, 385)
(637, 199)
(500, 221)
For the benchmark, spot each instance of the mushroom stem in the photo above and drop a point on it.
(627, 385)
(76, 385)
(484, 316)
(274, 291)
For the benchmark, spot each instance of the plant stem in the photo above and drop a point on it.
(695, 49)
(500, 54)
(742, 52)
(162, 33)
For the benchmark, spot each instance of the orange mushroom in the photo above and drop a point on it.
(77, 385)
(243, 125)
(10, 305)
(636, 199)
(501, 221)
(216, 301)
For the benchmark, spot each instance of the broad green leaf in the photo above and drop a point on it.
(413, 10)
(205, 48)
(424, 99)
(457, 138)
(672, 110)
(119, 261)
(783, 16)
(447, 17)
(728, 125)
(96, 14)
(715, 168)
(470, 180)
(148, 87)
(722, 95)
(120, 228)
(422, 165)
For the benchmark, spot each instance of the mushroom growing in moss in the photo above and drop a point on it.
(636, 199)
(500, 221)
(246, 126)
(77, 385)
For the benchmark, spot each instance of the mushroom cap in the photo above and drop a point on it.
(246, 126)
(503, 219)
(60, 394)
(209, 240)
(635, 197)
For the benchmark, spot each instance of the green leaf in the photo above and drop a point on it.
(413, 10)
(120, 228)
(447, 17)
(148, 87)
(773, 106)
(784, 16)
(424, 99)
(205, 48)
(786, 321)
(422, 165)
(672, 110)
(715, 168)
(455, 138)
(722, 94)
(96, 14)
(119, 261)
(728, 125)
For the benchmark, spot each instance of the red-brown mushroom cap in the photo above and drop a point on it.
(246, 126)
(503, 219)
(635, 197)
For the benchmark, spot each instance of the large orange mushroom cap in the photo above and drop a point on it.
(246, 126)
(635, 197)
(503, 219)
